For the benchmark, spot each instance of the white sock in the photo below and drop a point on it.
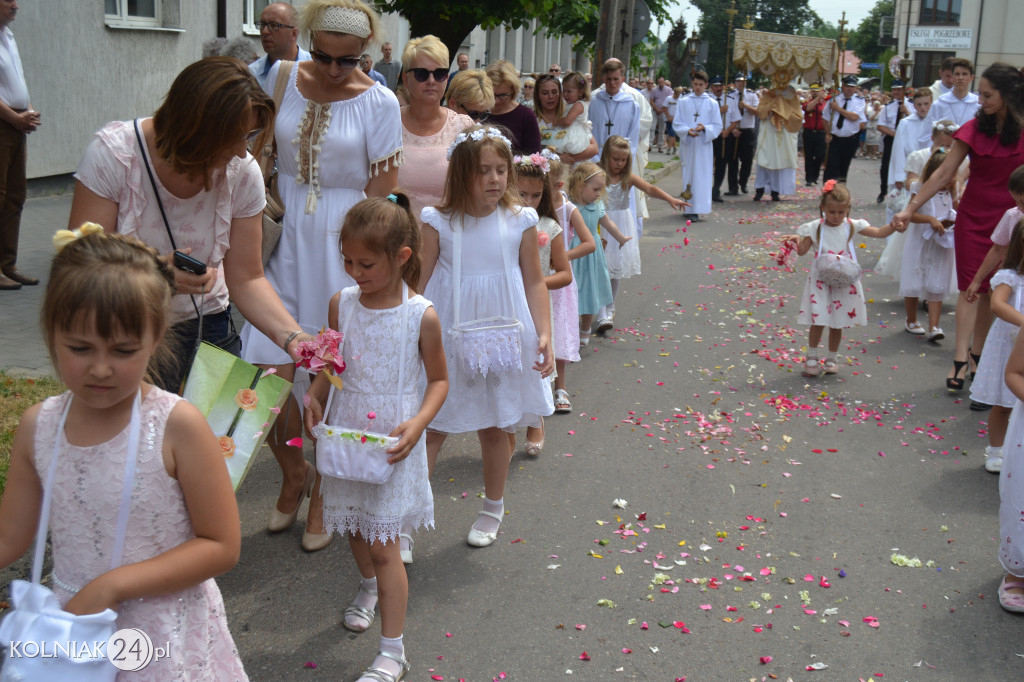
(992, 451)
(615, 294)
(392, 646)
(486, 524)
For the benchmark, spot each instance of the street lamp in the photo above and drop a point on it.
(692, 48)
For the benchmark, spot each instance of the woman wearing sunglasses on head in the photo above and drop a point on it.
(428, 129)
(519, 120)
(339, 140)
(470, 92)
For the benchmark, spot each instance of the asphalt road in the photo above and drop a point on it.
(761, 513)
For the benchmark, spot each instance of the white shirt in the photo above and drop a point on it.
(748, 120)
(890, 113)
(261, 69)
(959, 111)
(732, 114)
(13, 90)
(850, 128)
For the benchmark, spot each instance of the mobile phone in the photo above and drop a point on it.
(185, 262)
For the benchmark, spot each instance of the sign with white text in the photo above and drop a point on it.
(940, 38)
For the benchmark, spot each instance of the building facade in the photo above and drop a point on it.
(92, 61)
(983, 31)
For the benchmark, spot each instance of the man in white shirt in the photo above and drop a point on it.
(391, 70)
(959, 105)
(741, 158)
(730, 113)
(888, 120)
(698, 121)
(279, 34)
(846, 118)
(658, 99)
(945, 82)
(17, 120)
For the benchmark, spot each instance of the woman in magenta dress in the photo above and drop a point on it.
(993, 142)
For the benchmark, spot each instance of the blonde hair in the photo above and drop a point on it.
(613, 143)
(541, 80)
(463, 167)
(471, 86)
(557, 171)
(579, 176)
(502, 73)
(428, 46)
(527, 169)
(839, 194)
(579, 80)
(312, 14)
(113, 282)
(385, 226)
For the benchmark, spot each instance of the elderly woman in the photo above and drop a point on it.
(428, 129)
(519, 120)
(470, 92)
(526, 96)
(339, 140)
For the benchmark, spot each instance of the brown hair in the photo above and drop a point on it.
(839, 194)
(546, 78)
(613, 143)
(922, 92)
(205, 115)
(579, 80)
(463, 167)
(527, 169)
(113, 282)
(963, 64)
(557, 171)
(932, 165)
(611, 65)
(1009, 82)
(580, 174)
(1016, 182)
(1014, 257)
(699, 76)
(385, 226)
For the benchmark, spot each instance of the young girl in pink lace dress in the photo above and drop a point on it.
(105, 314)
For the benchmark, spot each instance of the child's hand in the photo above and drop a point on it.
(94, 597)
(937, 225)
(409, 433)
(793, 239)
(677, 203)
(546, 364)
(622, 242)
(312, 415)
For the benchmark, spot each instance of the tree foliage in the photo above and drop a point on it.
(816, 27)
(864, 40)
(676, 55)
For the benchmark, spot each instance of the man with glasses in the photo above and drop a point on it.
(279, 34)
(366, 64)
(556, 71)
(391, 70)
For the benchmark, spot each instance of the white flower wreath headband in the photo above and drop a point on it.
(477, 135)
(948, 129)
(540, 160)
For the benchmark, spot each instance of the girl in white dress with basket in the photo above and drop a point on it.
(483, 273)
(833, 296)
(376, 484)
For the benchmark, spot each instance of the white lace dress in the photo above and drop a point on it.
(989, 386)
(371, 351)
(927, 269)
(83, 522)
(573, 139)
(623, 262)
(507, 399)
(326, 155)
(565, 308)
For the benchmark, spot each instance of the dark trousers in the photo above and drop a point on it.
(12, 192)
(840, 154)
(741, 159)
(814, 154)
(218, 329)
(883, 172)
(721, 164)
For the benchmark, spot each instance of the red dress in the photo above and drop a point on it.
(985, 198)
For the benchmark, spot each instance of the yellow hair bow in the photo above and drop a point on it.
(65, 237)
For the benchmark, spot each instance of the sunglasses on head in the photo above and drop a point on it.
(326, 60)
(421, 75)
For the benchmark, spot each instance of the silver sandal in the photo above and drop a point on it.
(354, 610)
(381, 675)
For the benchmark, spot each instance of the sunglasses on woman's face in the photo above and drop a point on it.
(342, 62)
(476, 115)
(421, 75)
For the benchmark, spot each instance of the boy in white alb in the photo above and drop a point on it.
(959, 105)
(698, 121)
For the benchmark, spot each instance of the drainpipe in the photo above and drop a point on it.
(977, 38)
(222, 18)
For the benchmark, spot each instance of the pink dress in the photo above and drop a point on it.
(985, 198)
(565, 326)
(86, 499)
(426, 162)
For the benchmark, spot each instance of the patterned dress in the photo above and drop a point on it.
(822, 304)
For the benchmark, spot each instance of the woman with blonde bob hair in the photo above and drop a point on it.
(519, 120)
(470, 92)
(428, 129)
(339, 140)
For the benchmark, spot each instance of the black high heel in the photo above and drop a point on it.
(977, 359)
(956, 382)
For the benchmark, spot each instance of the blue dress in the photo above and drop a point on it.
(591, 271)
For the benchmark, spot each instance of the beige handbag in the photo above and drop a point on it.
(273, 214)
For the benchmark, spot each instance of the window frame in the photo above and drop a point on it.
(163, 9)
(250, 17)
(940, 8)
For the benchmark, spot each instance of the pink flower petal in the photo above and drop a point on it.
(294, 442)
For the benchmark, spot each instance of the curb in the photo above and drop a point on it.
(656, 176)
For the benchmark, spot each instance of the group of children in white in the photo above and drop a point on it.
(538, 273)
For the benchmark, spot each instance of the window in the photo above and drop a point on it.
(926, 66)
(161, 15)
(251, 11)
(940, 12)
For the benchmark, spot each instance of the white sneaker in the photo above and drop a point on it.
(604, 325)
(914, 328)
(935, 334)
(993, 459)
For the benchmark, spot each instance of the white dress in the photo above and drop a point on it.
(379, 512)
(989, 386)
(822, 304)
(502, 399)
(1011, 494)
(355, 139)
(623, 262)
(573, 139)
(927, 268)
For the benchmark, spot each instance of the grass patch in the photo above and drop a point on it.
(16, 396)
(655, 165)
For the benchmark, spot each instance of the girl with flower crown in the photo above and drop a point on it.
(826, 302)
(483, 274)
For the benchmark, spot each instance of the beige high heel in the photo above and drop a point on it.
(279, 520)
(314, 542)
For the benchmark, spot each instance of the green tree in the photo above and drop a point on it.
(678, 71)
(816, 27)
(864, 40)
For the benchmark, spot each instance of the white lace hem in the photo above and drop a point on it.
(372, 528)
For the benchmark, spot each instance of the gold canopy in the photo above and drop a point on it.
(784, 57)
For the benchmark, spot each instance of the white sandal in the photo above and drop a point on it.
(478, 538)
(354, 610)
(831, 367)
(406, 554)
(381, 675)
(812, 367)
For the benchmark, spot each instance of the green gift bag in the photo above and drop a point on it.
(240, 402)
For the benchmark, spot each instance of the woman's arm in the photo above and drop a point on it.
(938, 180)
(586, 244)
(562, 277)
(429, 251)
(436, 368)
(383, 183)
(23, 493)
(574, 111)
(1001, 307)
(198, 465)
(613, 229)
(316, 394)
(588, 153)
(658, 193)
(538, 299)
(992, 260)
(249, 288)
